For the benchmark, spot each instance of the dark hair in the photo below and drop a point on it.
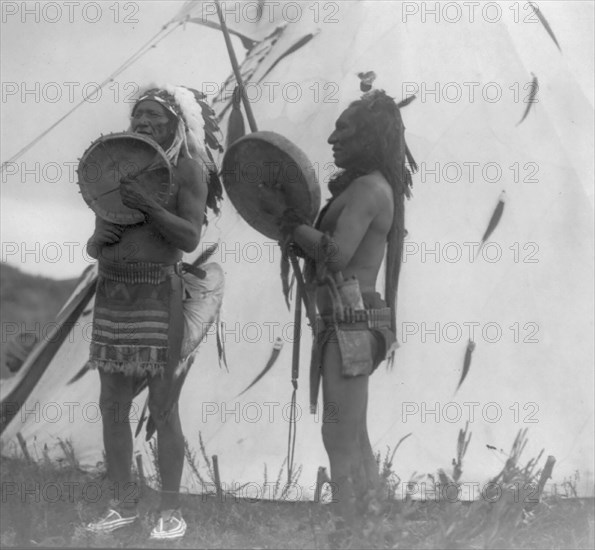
(381, 133)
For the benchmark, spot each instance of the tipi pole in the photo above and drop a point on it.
(295, 372)
(236, 69)
(217, 476)
(298, 303)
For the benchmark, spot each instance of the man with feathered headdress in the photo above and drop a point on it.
(140, 330)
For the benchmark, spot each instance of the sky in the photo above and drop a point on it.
(52, 54)
(46, 67)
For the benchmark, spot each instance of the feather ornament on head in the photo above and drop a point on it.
(196, 126)
(194, 116)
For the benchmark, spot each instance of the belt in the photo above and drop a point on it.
(370, 318)
(146, 272)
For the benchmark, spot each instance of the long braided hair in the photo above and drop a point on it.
(382, 133)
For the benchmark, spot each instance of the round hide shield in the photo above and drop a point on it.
(114, 156)
(264, 173)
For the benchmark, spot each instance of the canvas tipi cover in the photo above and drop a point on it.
(526, 300)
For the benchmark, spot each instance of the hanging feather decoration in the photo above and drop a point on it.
(406, 101)
(221, 344)
(290, 219)
(545, 23)
(277, 346)
(495, 219)
(151, 428)
(78, 375)
(532, 97)
(142, 419)
(205, 254)
(410, 160)
(466, 362)
(285, 271)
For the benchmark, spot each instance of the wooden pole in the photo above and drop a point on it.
(546, 474)
(23, 445)
(217, 478)
(297, 333)
(236, 69)
(295, 372)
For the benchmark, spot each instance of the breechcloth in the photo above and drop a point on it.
(375, 318)
(138, 319)
(150, 319)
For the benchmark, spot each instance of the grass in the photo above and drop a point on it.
(52, 515)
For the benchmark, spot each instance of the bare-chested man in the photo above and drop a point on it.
(138, 323)
(364, 219)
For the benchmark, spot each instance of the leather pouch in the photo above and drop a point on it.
(357, 352)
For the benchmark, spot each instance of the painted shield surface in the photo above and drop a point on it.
(264, 174)
(114, 156)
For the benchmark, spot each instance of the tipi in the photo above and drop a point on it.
(525, 298)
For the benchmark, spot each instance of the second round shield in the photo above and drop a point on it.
(264, 174)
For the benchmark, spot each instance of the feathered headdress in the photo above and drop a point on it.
(195, 119)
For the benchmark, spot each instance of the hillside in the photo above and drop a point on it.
(28, 303)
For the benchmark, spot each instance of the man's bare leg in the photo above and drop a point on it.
(164, 392)
(345, 401)
(114, 402)
(369, 467)
(170, 442)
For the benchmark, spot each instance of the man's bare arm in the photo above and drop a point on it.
(353, 223)
(182, 229)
